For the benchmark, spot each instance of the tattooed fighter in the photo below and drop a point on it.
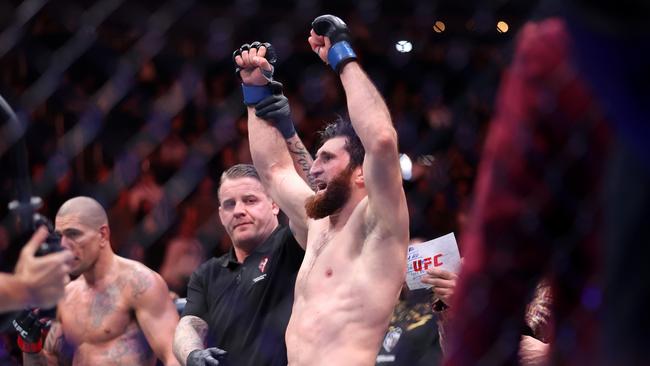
(117, 312)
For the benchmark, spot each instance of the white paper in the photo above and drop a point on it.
(440, 253)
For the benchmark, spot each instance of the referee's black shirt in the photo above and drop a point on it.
(247, 305)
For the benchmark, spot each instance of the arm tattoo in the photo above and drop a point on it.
(301, 158)
(34, 359)
(54, 350)
(200, 326)
(55, 342)
(190, 335)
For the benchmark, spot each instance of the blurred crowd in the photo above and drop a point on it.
(149, 114)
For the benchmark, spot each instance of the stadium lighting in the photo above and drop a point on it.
(406, 166)
(439, 26)
(403, 46)
(502, 27)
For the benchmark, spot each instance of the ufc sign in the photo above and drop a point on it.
(425, 263)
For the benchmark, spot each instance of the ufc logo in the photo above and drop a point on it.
(427, 262)
(23, 332)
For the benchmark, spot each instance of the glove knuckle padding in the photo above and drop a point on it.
(331, 26)
(340, 52)
(271, 56)
(237, 52)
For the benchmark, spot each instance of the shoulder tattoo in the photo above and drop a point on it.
(140, 281)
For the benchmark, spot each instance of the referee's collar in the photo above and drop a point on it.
(231, 259)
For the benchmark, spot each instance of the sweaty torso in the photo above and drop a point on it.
(346, 290)
(99, 324)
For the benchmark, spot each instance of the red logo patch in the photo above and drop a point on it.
(263, 263)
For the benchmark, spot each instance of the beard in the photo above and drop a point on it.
(335, 196)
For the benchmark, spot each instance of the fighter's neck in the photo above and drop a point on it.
(102, 269)
(340, 218)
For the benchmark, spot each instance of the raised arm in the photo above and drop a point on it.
(267, 144)
(155, 312)
(275, 110)
(371, 121)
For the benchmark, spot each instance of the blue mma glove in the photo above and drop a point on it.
(337, 31)
(255, 93)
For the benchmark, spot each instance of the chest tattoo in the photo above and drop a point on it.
(131, 348)
(105, 302)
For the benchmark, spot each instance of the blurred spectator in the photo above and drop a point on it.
(123, 219)
(537, 211)
(412, 335)
(183, 254)
(4, 246)
(145, 194)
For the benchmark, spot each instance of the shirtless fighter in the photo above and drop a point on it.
(117, 312)
(354, 227)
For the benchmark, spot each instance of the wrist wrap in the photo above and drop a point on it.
(254, 93)
(339, 54)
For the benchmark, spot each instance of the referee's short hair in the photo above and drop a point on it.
(239, 171)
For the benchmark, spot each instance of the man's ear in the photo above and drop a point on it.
(359, 179)
(105, 234)
(275, 208)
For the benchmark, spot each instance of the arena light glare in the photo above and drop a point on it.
(426, 160)
(406, 165)
(502, 27)
(439, 26)
(403, 46)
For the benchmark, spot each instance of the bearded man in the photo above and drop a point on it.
(354, 227)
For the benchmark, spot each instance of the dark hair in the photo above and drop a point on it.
(239, 171)
(353, 145)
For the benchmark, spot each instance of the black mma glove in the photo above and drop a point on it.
(32, 331)
(275, 108)
(337, 31)
(255, 93)
(207, 357)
